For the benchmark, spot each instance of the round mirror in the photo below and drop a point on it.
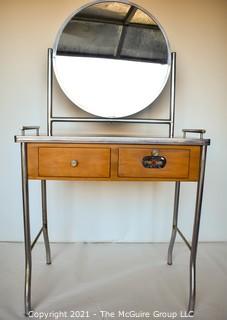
(111, 58)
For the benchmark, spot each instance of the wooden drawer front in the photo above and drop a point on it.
(92, 162)
(177, 163)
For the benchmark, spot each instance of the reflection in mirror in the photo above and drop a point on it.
(111, 59)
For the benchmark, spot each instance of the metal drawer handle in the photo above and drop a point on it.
(74, 163)
(156, 162)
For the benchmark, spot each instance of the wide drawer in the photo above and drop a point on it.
(177, 164)
(74, 162)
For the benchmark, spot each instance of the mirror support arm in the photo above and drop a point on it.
(172, 93)
(49, 91)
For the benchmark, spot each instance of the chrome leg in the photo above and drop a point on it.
(175, 220)
(195, 236)
(27, 235)
(44, 217)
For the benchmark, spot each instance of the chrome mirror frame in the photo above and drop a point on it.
(143, 104)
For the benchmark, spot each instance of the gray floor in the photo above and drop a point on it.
(92, 278)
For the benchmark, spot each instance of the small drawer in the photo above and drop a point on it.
(132, 163)
(74, 162)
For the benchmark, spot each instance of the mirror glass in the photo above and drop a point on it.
(111, 59)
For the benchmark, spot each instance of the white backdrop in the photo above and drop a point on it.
(113, 211)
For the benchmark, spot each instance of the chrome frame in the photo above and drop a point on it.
(112, 139)
(23, 140)
(175, 220)
(26, 217)
(51, 118)
(195, 235)
(27, 233)
(94, 2)
(44, 221)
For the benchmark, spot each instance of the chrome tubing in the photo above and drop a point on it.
(49, 91)
(195, 235)
(199, 131)
(26, 128)
(184, 239)
(172, 93)
(113, 120)
(27, 234)
(37, 238)
(44, 218)
(112, 139)
(51, 119)
(175, 221)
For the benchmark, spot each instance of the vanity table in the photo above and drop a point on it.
(111, 158)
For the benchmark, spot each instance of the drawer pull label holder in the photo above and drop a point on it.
(154, 161)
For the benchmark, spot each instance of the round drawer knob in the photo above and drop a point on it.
(74, 163)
